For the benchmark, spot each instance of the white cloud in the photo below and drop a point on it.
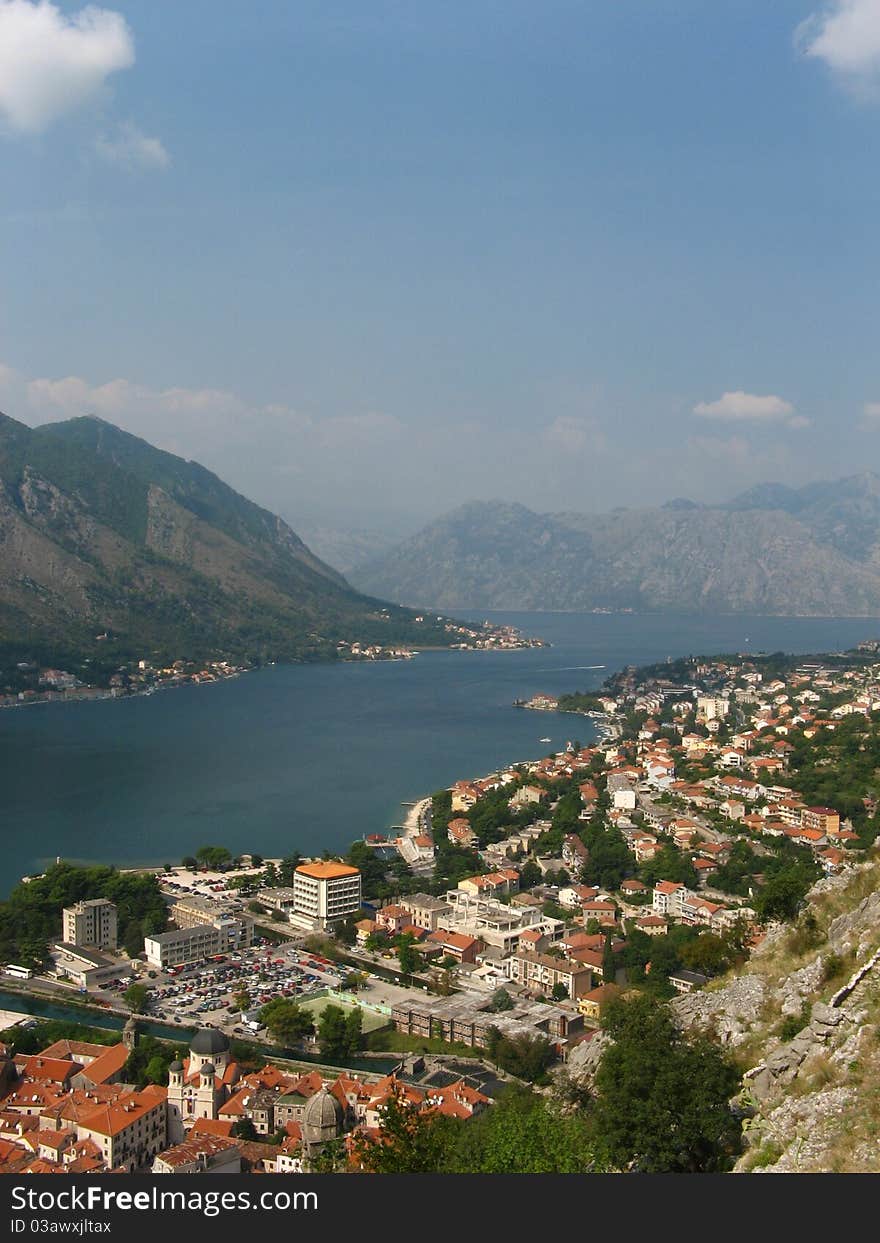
(846, 36)
(132, 149)
(51, 62)
(871, 410)
(739, 407)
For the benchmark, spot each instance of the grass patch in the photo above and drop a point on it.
(402, 1042)
(370, 1022)
(768, 1154)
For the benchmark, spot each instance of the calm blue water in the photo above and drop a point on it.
(308, 757)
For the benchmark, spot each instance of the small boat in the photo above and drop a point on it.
(545, 740)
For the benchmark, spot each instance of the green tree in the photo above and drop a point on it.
(156, 1070)
(501, 1000)
(662, 1103)
(243, 1128)
(530, 875)
(609, 962)
(412, 1142)
(707, 953)
(408, 956)
(523, 1133)
(527, 1057)
(339, 1035)
(286, 1021)
(213, 857)
(242, 999)
(287, 867)
(135, 997)
(559, 992)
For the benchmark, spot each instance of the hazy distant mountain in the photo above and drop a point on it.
(812, 551)
(100, 531)
(343, 548)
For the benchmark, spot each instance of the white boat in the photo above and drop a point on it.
(545, 740)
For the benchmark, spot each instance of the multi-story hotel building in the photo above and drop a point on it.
(326, 891)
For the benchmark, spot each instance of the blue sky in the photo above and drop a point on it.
(369, 260)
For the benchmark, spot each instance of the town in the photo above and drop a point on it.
(484, 944)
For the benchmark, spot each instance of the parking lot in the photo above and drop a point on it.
(202, 994)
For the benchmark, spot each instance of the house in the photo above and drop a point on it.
(460, 832)
(456, 945)
(391, 919)
(200, 1154)
(425, 911)
(604, 912)
(666, 895)
(573, 896)
(131, 1131)
(687, 981)
(524, 797)
(653, 925)
(364, 929)
(705, 869)
(593, 1004)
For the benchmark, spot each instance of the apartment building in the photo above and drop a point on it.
(542, 972)
(130, 1131)
(90, 923)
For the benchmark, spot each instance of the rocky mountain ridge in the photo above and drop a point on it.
(792, 552)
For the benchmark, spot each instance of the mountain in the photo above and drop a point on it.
(101, 532)
(813, 551)
(342, 547)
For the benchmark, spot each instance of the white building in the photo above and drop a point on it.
(326, 891)
(182, 945)
(712, 707)
(90, 923)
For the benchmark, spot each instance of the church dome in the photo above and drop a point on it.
(207, 1068)
(176, 1067)
(209, 1040)
(322, 1116)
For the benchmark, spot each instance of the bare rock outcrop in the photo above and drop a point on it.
(729, 1014)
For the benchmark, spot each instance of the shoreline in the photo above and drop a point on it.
(100, 694)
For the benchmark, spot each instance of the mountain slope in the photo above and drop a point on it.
(100, 531)
(815, 553)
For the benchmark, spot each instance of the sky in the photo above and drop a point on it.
(371, 259)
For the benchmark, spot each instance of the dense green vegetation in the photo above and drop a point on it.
(30, 917)
(662, 1098)
(579, 701)
(340, 1034)
(527, 1057)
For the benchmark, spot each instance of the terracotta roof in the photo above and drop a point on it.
(327, 870)
(196, 1146)
(115, 1118)
(108, 1064)
(212, 1126)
